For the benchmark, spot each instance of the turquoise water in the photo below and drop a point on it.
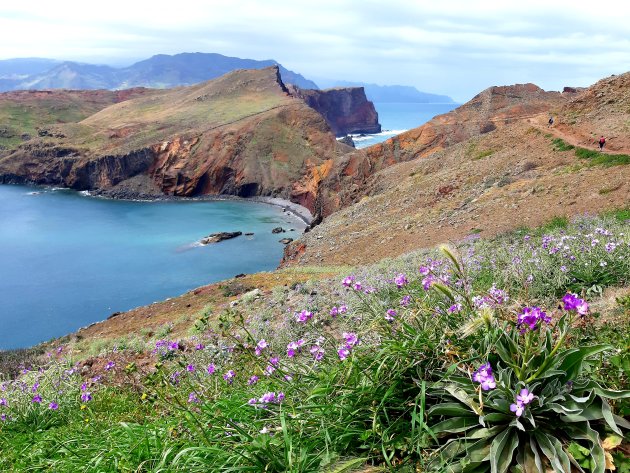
(396, 118)
(67, 260)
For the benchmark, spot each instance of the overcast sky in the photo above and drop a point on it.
(454, 47)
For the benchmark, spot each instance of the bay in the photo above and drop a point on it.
(67, 260)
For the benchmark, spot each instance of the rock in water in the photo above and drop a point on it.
(278, 230)
(347, 140)
(286, 241)
(217, 237)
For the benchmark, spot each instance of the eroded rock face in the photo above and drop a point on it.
(346, 109)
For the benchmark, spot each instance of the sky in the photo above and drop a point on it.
(452, 47)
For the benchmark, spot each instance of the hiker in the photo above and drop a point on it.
(602, 142)
(550, 122)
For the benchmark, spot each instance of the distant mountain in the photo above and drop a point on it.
(392, 93)
(161, 71)
(191, 68)
(23, 67)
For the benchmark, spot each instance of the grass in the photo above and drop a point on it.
(594, 157)
(370, 409)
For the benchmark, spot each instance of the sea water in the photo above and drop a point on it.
(67, 260)
(396, 118)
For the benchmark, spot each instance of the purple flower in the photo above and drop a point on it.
(274, 361)
(86, 396)
(267, 398)
(428, 281)
(3, 402)
(343, 308)
(35, 387)
(401, 280)
(172, 346)
(484, 376)
(190, 368)
(454, 308)
(317, 352)
(269, 370)
(253, 401)
(348, 280)
(175, 377)
(343, 353)
(262, 344)
(199, 346)
(229, 376)
(192, 398)
(211, 368)
(280, 396)
(53, 406)
(532, 317)
(524, 397)
(390, 314)
(334, 312)
(84, 387)
(351, 339)
(36, 399)
(499, 295)
(304, 316)
(404, 302)
(517, 408)
(253, 380)
(573, 303)
(109, 365)
(357, 286)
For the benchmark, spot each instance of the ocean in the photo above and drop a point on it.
(396, 118)
(67, 260)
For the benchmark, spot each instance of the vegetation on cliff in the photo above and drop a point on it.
(492, 355)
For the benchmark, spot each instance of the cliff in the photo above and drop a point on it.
(346, 109)
(241, 134)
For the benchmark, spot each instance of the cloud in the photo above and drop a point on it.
(456, 47)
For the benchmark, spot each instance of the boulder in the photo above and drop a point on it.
(286, 241)
(278, 230)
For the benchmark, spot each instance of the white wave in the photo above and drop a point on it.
(34, 193)
(364, 137)
(86, 193)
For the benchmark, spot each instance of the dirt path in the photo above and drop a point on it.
(561, 131)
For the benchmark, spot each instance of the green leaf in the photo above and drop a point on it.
(573, 359)
(561, 455)
(455, 425)
(584, 432)
(502, 450)
(464, 397)
(451, 409)
(546, 445)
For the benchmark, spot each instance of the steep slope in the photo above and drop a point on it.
(241, 134)
(512, 176)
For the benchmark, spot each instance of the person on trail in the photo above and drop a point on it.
(602, 142)
(550, 122)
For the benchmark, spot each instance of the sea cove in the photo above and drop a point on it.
(67, 260)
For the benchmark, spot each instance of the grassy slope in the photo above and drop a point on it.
(187, 110)
(25, 112)
(145, 422)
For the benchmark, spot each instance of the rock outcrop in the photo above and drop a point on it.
(346, 109)
(218, 237)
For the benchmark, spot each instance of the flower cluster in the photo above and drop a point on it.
(485, 377)
(531, 318)
(573, 303)
(303, 316)
(352, 340)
